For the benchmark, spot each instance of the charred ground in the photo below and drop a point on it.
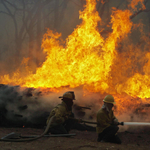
(84, 140)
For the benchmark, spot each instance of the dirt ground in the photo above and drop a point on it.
(83, 140)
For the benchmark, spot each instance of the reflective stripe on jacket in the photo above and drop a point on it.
(61, 113)
(104, 119)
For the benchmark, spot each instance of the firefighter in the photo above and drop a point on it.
(61, 123)
(107, 123)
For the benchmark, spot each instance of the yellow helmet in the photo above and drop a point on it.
(69, 95)
(109, 99)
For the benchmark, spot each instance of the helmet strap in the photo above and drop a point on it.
(106, 107)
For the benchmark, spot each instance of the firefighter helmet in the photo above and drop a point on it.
(109, 99)
(68, 95)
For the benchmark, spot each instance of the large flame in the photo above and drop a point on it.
(88, 59)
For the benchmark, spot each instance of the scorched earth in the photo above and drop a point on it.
(132, 139)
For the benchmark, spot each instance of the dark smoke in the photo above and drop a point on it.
(16, 107)
(28, 107)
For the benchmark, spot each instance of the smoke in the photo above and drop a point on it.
(30, 107)
(24, 106)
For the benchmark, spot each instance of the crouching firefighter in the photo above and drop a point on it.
(107, 123)
(61, 123)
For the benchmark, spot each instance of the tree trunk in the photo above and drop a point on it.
(31, 46)
(63, 12)
(38, 38)
(18, 49)
(56, 14)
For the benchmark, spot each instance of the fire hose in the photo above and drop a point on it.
(123, 123)
(31, 138)
(35, 137)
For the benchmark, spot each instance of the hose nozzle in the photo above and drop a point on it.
(121, 123)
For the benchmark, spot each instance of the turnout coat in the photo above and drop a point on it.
(61, 113)
(104, 119)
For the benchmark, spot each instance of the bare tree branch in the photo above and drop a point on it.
(146, 10)
(145, 2)
(142, 10)
(131, 17)
(5, 13)
(7, 8)
(102, 9)
(99, 5)
(120, 4)
(11, 4)
(75, 3)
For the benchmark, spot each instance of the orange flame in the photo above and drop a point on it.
(87, 58)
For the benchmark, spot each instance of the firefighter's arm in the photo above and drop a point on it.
(115, 120)
(60, 115)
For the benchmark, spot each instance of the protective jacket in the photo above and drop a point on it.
(61, 113)
(104, 119)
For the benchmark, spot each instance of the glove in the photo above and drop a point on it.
(80, 120)
(66, 117)
(115, 121)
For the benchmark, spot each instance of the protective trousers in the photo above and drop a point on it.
(109, 135)
(62, 128)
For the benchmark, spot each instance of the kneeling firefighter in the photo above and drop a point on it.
(107, 123)
(61, 123)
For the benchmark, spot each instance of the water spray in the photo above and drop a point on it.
(134, 123)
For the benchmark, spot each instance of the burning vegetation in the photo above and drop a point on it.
(91, 63)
